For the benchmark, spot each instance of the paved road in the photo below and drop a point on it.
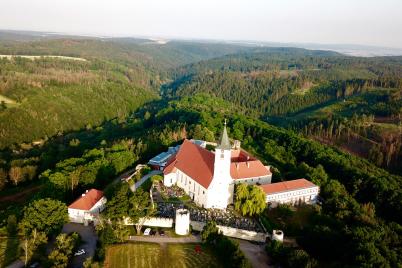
(161, 240)
(89, 239)
(143, 179)
(255, 253)
(16, 264)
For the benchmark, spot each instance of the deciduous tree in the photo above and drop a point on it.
(250, 199)
(43, 215)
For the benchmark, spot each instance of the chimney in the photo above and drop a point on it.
(83, 195)
(236, 144)
(86, 191)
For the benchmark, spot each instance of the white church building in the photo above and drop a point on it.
(209, 177)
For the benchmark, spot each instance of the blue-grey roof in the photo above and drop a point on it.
(162, 158)
(224, 143)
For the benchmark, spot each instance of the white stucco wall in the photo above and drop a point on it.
(182, 222)
(255, 180)
(153, 222)
(306, 195)
(169, 179)
(192, 188)
(233, 232)
(220, 191)
(80, 216)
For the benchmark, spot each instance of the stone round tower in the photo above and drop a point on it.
(277, 235)
(182, 222)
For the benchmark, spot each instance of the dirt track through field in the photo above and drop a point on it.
(20, 196)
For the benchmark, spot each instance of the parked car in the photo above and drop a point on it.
(34, 265)
(147, 231)
(162, 233)
(79, 252)
(152, 232)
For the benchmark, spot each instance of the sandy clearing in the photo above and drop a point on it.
(6, 100)
(31, 57)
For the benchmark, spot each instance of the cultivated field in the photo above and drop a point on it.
(144, 255)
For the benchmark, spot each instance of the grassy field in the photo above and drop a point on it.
(144, 255)
(8, 250)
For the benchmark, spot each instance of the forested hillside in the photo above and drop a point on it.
(297, 88)
(42, 97)
(50, 96)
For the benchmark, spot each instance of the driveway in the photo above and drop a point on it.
(89, 239)
(255, 253)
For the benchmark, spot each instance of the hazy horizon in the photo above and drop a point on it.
(354, 22)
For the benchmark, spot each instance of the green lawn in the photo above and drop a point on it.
(143, 255)
(291, 220)
(9, 248)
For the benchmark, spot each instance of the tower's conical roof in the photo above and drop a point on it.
(224, 143)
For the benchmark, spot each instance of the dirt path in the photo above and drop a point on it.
(20, 196)
(255, 254)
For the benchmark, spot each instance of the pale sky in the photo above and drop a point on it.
(367, 22)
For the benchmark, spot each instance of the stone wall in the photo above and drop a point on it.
(198, 226)
(233, 232)
(155, 222)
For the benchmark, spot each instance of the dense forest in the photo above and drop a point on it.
(314, 92)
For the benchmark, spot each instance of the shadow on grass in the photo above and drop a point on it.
(11, 252)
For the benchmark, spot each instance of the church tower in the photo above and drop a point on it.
(223, 156)
(220, 192)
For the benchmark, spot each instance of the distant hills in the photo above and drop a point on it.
(347, 49)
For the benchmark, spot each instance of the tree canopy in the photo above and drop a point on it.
(44, 215)
(250, 200)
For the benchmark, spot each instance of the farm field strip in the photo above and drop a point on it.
(149, 255)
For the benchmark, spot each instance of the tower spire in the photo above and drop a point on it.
(224, 143)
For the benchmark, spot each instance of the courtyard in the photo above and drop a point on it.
(171, 198)
(227, 217)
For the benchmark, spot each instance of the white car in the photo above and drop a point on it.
(147, 231)
(79, 252)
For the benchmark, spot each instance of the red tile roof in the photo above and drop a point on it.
(195, 161)
(241, 156)
(248, 169)
(286, 186)
(170, 167)
(87, 201)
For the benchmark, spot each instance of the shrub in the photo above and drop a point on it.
(227, 250)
